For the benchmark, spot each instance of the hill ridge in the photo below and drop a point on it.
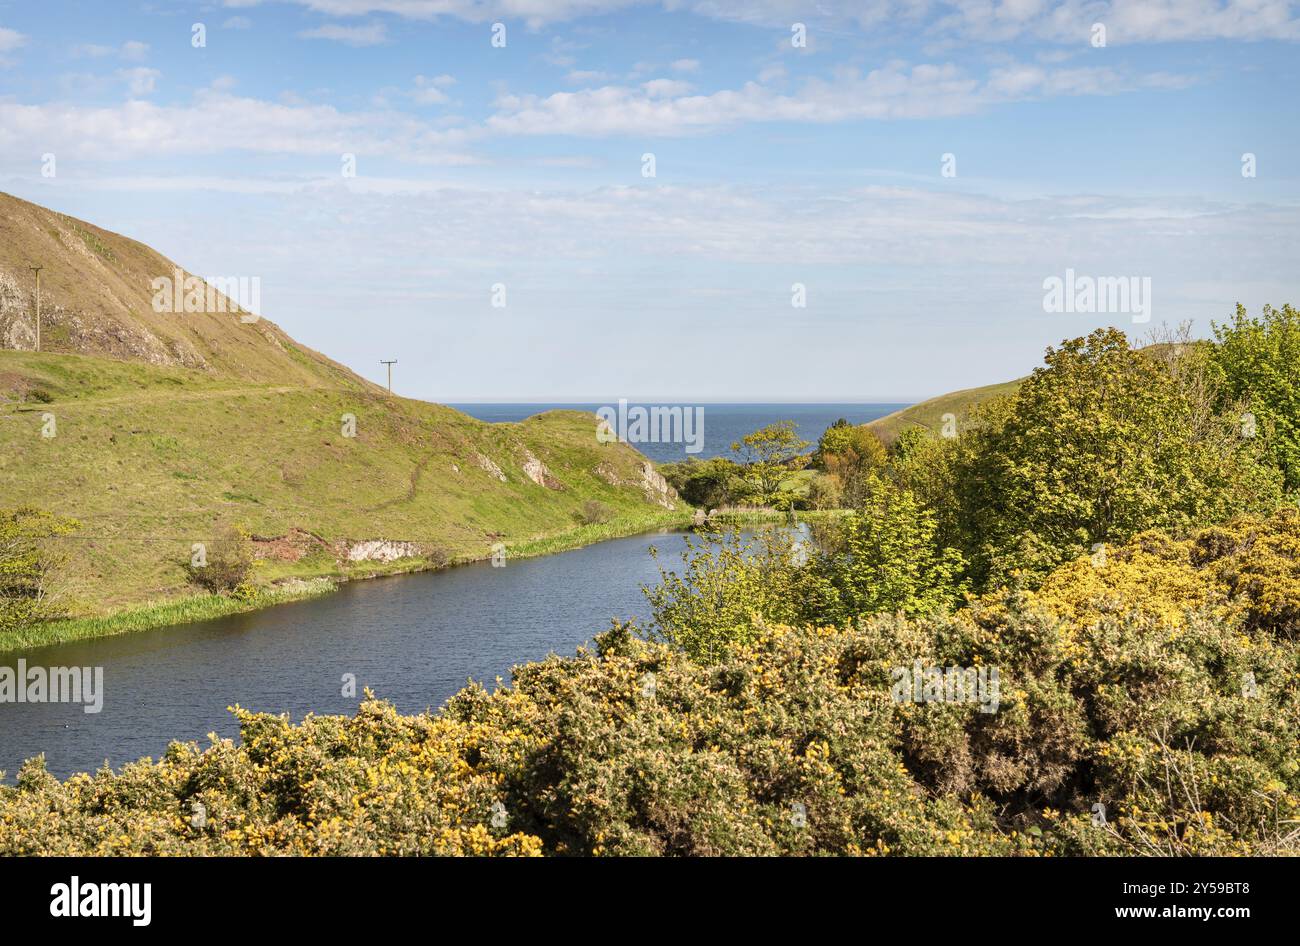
(99, 295)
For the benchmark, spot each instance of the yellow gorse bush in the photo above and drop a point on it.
(1125, 725)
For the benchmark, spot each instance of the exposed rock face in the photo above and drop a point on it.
(290, 547)
(656, 487)
(536, 471)
(491, 467)
(17, 328)
(381, 550)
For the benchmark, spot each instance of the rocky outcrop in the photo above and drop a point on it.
(381, 550)
(656, 487)
(536, 471)
(487, 464)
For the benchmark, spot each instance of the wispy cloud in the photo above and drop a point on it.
(141, 80)
(895, 91)
(1127, 21)
(139, 129)
(10, 40)
(371, 34)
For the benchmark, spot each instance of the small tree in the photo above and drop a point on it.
(852, 454)
(769, 453)
(731, 583)
(708, 484)
(885, 557)
(594, 512)
(1099, 444)
(226, 564)
(27, 565)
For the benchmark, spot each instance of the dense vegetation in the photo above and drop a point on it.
(1091, 591)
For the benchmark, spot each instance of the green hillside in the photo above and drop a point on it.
(158, 430)
(929, 414)
(151, 460)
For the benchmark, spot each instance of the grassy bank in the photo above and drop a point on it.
(299, 583)
(159, 614)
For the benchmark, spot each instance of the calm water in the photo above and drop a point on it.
(724, 424)
(413, 639)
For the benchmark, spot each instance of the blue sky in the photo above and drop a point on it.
(774, 165)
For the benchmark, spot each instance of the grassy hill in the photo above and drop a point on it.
(151, 460)
(167, 429)
(97, 298)
(929, 414)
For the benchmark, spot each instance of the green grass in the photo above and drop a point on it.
(589, 534)
(929, 414)
(158, 614)
(151, 460)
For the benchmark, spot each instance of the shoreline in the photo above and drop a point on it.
(195, 608)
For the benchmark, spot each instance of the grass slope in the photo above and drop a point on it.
(929, 414)
(153, 459)
(97, 298)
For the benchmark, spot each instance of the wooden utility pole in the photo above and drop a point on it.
(390, 372)
(37, 271)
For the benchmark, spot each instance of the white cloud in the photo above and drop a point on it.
(141, 80)
(217, 122)
(894, 91)
(372, 34)
(1127, 21)
(10, 40)
(587, 76)
(686, 65)
(90, 51)
(430, 91)
(237, 23)
(132, 50)
(666, 88)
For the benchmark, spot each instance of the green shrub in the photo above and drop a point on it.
(594, 512)
(225, 564)
(27, 566)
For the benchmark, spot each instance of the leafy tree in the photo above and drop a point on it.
(885, 558)
(1094, 447)
(731, 583)
(852, 454)
(708, 484)
(769, 453)
(1259, 362)
(27, 566)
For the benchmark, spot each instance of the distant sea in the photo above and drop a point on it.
(723, 423)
